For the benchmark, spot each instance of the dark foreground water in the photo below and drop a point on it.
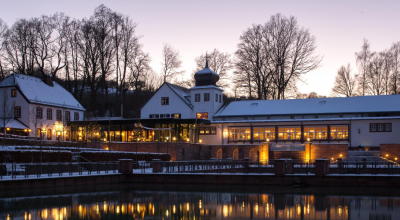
(200, 202)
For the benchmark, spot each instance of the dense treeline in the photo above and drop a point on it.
(101, 61)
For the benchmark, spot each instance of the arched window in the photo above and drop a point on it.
(254, 155)
(49, 114)
(238, 154)
(222, 154)
(76, 116)
(39, 113)
(67, 116)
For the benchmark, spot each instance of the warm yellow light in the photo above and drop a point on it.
(341, 155)
(173, 209)
(199, 204)
(395, 158)
(387, 155)
(29, 130)
(308, 139)
(187, 139)
(150, 136)
(25, 130)
(332, 158)
(117, 211)
(200, 141)
(187, 206)
(166, 213)
(174, 138)
(105, 206)
(225, 133)
(8, 129)
(267, 139)
(106, 148)
(138, 207)
(225, 211)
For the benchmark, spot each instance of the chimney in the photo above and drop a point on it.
(48, 80)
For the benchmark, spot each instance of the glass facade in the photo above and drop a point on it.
(289, 133)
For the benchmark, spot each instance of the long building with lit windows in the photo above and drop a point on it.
(259, 129)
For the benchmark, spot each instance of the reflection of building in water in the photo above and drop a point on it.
(173, 205)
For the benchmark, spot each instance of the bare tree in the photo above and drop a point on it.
(363, 58)
(345, 83)
(375, 78)
(276, 55)
(395, 54)
(3, 30)
(171, 63)
(6, 112)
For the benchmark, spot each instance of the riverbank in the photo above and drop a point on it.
(337, 180)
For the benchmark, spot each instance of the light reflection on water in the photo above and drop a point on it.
(134, 204)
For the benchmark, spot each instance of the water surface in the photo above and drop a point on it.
(201, 202)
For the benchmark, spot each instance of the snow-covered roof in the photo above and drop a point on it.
(360, 104)
(182, 92)
(207, 87)
(36, 91)
(13, 124)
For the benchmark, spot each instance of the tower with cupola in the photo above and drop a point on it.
(206, 96)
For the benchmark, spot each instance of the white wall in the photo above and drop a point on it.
(374, 139)
(211, 107)
(176, 104)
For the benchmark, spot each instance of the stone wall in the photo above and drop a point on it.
(178, 151)
(328, 151)
(391, 150)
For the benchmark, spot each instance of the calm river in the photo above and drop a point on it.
(201, 202)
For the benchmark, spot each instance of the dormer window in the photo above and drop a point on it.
(216, 97)
(165, 101)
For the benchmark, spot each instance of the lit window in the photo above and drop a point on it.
(197, 97)
(13, 93)
(39, 113)
(207, 130)
(316, 133)
(49, 114)
(202, 115)
(239, 134)
(263, 133)
(76, 116)
(17, 111)
(49, 134)
(206, 97)
(339, 132)
(177, 115)
(289, 133)
(165, 101)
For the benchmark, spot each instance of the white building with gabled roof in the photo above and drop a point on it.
(42, 107)
(199, 102)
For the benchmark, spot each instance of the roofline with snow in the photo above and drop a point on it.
(307, 120)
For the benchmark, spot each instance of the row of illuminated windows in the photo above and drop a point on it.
(289, 133)
(49, 114)
(177, 115)
(207, 130)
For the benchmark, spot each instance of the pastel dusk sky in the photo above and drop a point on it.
(194, 27)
